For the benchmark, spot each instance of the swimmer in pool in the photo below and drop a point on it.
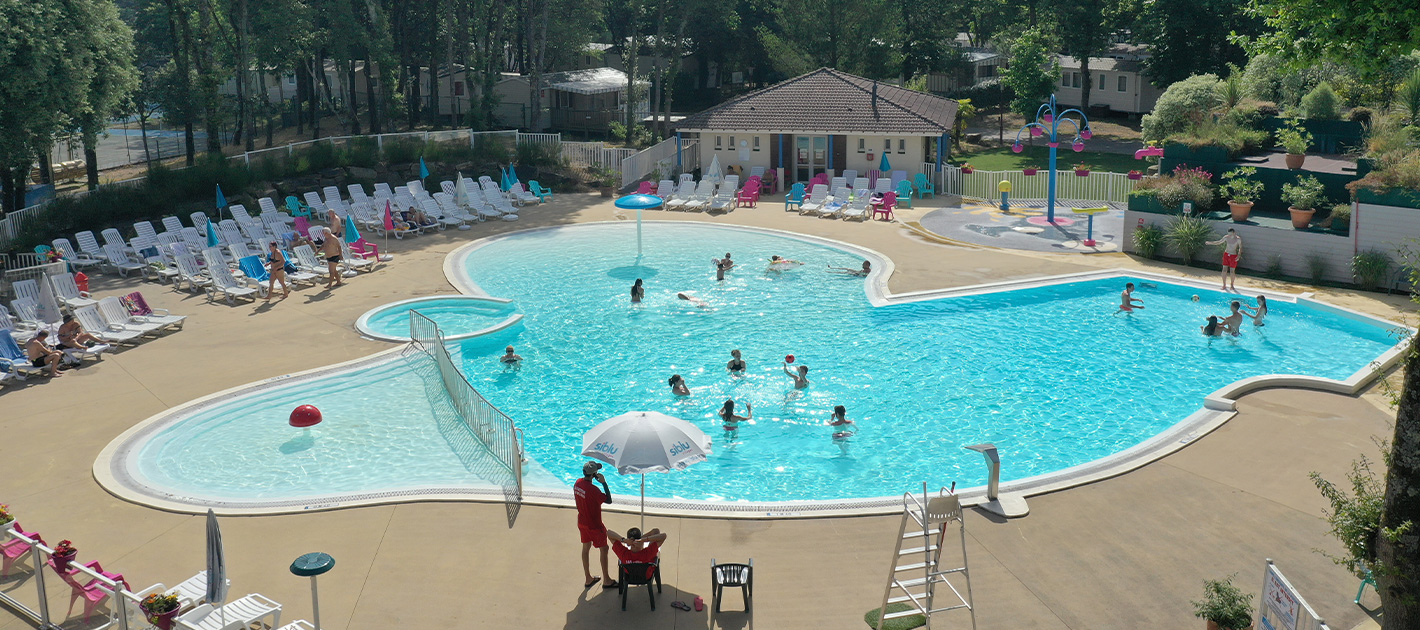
(1232, 323)
(510, 359)
(726, 262)
(732, 421)
(865, 270)
(1212, 328)
(840, 417)
(721, 266)
(736, 365)
(678, 386)
(693, 300)
(1127, 302)
(777, 263)
(801, 377)
(638, 292)
(1260, 313)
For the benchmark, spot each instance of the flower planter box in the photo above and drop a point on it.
(1135, 175)
(1029, 171)
(1397, 197)
(1082, 173)
(1147, 204)
(967, 170)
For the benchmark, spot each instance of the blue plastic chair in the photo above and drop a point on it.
(1369, 579)
(544, 195)
(904, 193)
(297, 208)
(924, 186)
(795, 197)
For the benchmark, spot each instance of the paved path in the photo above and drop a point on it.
(1126, 553)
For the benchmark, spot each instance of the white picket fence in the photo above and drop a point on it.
(660, 159)
(586, 155)
(1103, 187)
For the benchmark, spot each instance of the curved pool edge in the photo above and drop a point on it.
(362, 323)
(1218, 407)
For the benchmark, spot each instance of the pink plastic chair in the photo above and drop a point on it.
(303, 225)
(12, 550)
(748, 196)
(771, 181)
(884, 207)
(94, 592)
(365, 249)
(646, 188)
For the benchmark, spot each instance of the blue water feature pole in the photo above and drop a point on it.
(1047, 121)
(638, 203)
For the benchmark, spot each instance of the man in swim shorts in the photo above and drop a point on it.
(589, 500)
(1232, 324)
(1127, 302)
(1232, 250)
(330, 249)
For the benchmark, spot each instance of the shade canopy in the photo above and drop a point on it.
(638, 202)
(646, 441)
(351, 233)
(216, 562)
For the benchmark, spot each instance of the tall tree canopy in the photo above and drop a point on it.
(1364, 34)
(1188, 37)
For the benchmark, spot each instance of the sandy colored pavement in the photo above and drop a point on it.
(1128, 552)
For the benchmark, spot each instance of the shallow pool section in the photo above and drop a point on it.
(1049, 372)
(458, 316)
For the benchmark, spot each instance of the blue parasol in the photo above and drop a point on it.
(423, 170)
(351, 234)
(212, 231)
(884, 165)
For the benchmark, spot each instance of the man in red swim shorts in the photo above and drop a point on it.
(589, 521)
(1232, 250)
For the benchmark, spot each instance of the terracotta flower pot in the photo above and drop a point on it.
(605, 191)
(1301, 218)
(1240, 210)
(1295, 160)
(1080, 173)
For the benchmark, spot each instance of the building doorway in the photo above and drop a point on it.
(810, 157)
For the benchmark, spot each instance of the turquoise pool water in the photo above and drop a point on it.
(455, 316)
(1051, 375)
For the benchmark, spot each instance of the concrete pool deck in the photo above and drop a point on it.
(1126, 552)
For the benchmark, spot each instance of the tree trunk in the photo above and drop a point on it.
(180, 30)
(300, 71)
(207, 81)
(537, 48)
(1398, 583)
(91, 158)
(414, 82)
(372, 98)
(1086, 82)
(46, 169)
(313, 92)
(435, 107)
(672, 71)
(7, 201)
(449, 61)
(631, 54)
(244, 78)
(354, 98)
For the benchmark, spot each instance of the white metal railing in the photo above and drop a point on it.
(491, 427)
(660, 159)
(1103, 187)
(31, 590)
(585, 155)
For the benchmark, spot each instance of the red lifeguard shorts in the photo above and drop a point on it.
(1230, 260)
(596, 536)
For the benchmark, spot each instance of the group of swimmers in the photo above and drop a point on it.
(722, 265)
(799, 376)
(1217, 325)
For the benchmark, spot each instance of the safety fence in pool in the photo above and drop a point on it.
(492, 428)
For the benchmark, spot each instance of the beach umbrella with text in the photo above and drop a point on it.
(460, 192)
(639, 442)
(713, 173)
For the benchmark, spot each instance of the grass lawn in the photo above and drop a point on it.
(1003, 159)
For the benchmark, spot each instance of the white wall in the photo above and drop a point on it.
(910, 160)
(1261, 243)
(1387, 228)
(744, 156)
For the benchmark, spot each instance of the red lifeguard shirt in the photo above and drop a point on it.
(589, 503)
(647, 554)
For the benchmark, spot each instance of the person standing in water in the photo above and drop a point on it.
(801, 377)
(678, 386)
(1127, 302)
(1260, 313)
(1212, 328)
(736, 365)
(509, 358)
(732, 421)
(638, 292)
(1232, 250)
(1232, 323)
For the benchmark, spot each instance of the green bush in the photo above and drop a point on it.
(1396, 170)
(1274, 267)
(1318, 265)
(1147, 240)
(1184, 103)
(1294, 138)
(1321, 103)
(1341, 213)
(1235, 139)
(1188, 235)
(530, 154)
(403, 151)
(1369, 268)
(362, 152)
(1363, 115)
(1224, 604)
(1306, 194)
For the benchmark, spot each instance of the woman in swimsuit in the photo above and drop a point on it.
(678, 386)
(1259, 314)
(736, 365)
(1212, 328)
(276, 269)
(732, 421)
(72, 335)
(638, 292)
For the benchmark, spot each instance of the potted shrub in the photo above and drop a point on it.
(160, 609)
(1030, 170)
(966, 169)
(1082, 170)
(1341, 217)
(1302, 198)
(1224, 606)
(63, 553)
(1295, 140)
(606, 181)
(1135, 175)
(1241, 191)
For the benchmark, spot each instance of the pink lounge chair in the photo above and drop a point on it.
(365, 249)
(748, 196)
(884, 206)
(646, 188)
(303, 225)
(12, 550)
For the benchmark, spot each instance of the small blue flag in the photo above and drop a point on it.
(423, 170)
(221, 199)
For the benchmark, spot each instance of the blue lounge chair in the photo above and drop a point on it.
(924, 186)
(297, 208)
(904, 192)
(795, 197)
(543, 195)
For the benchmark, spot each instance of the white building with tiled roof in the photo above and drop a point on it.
(824, 121)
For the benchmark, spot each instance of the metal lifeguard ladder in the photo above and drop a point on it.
(917, 566)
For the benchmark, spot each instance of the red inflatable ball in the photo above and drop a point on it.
(305, 416)
(789, 359)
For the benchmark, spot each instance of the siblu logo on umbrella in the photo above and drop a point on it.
(605, 447)
(680, 447)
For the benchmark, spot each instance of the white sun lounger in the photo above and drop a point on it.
(90, 245)
(95, 325)
(815, 200)
(117, 318)
(235, 614)
(223, 281)
(68, 292)
(121, 262)
(68, 253)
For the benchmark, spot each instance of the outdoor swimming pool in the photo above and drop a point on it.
(457, 315)
(1049, 374)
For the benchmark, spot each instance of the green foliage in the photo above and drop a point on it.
(1237, 140)
(1306, 194)
(1239, 186)
(1230, 90)
(1184, 103)
(1191, 185)
(1274, 267)
(1407, 98)
(965, 112)
(1390, 134)
(1318, 265)
(1369, 268)
(1364, 34)
(1395, 170)
(1032, 72)
(1189, 37)
(856, 36)
(530, 154)
(1341, 213)
(1321, 103)
(403, 151)
(1355, 516)
(1188, 235)
(640, 135)
(1361, 114)
(1147, 240)
(1224, 604)
(1294, 138)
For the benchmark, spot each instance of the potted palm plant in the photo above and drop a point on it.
(1241, 190)
(1224, 606)
(606, 181)
(1295, 140)
(1302, 199)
